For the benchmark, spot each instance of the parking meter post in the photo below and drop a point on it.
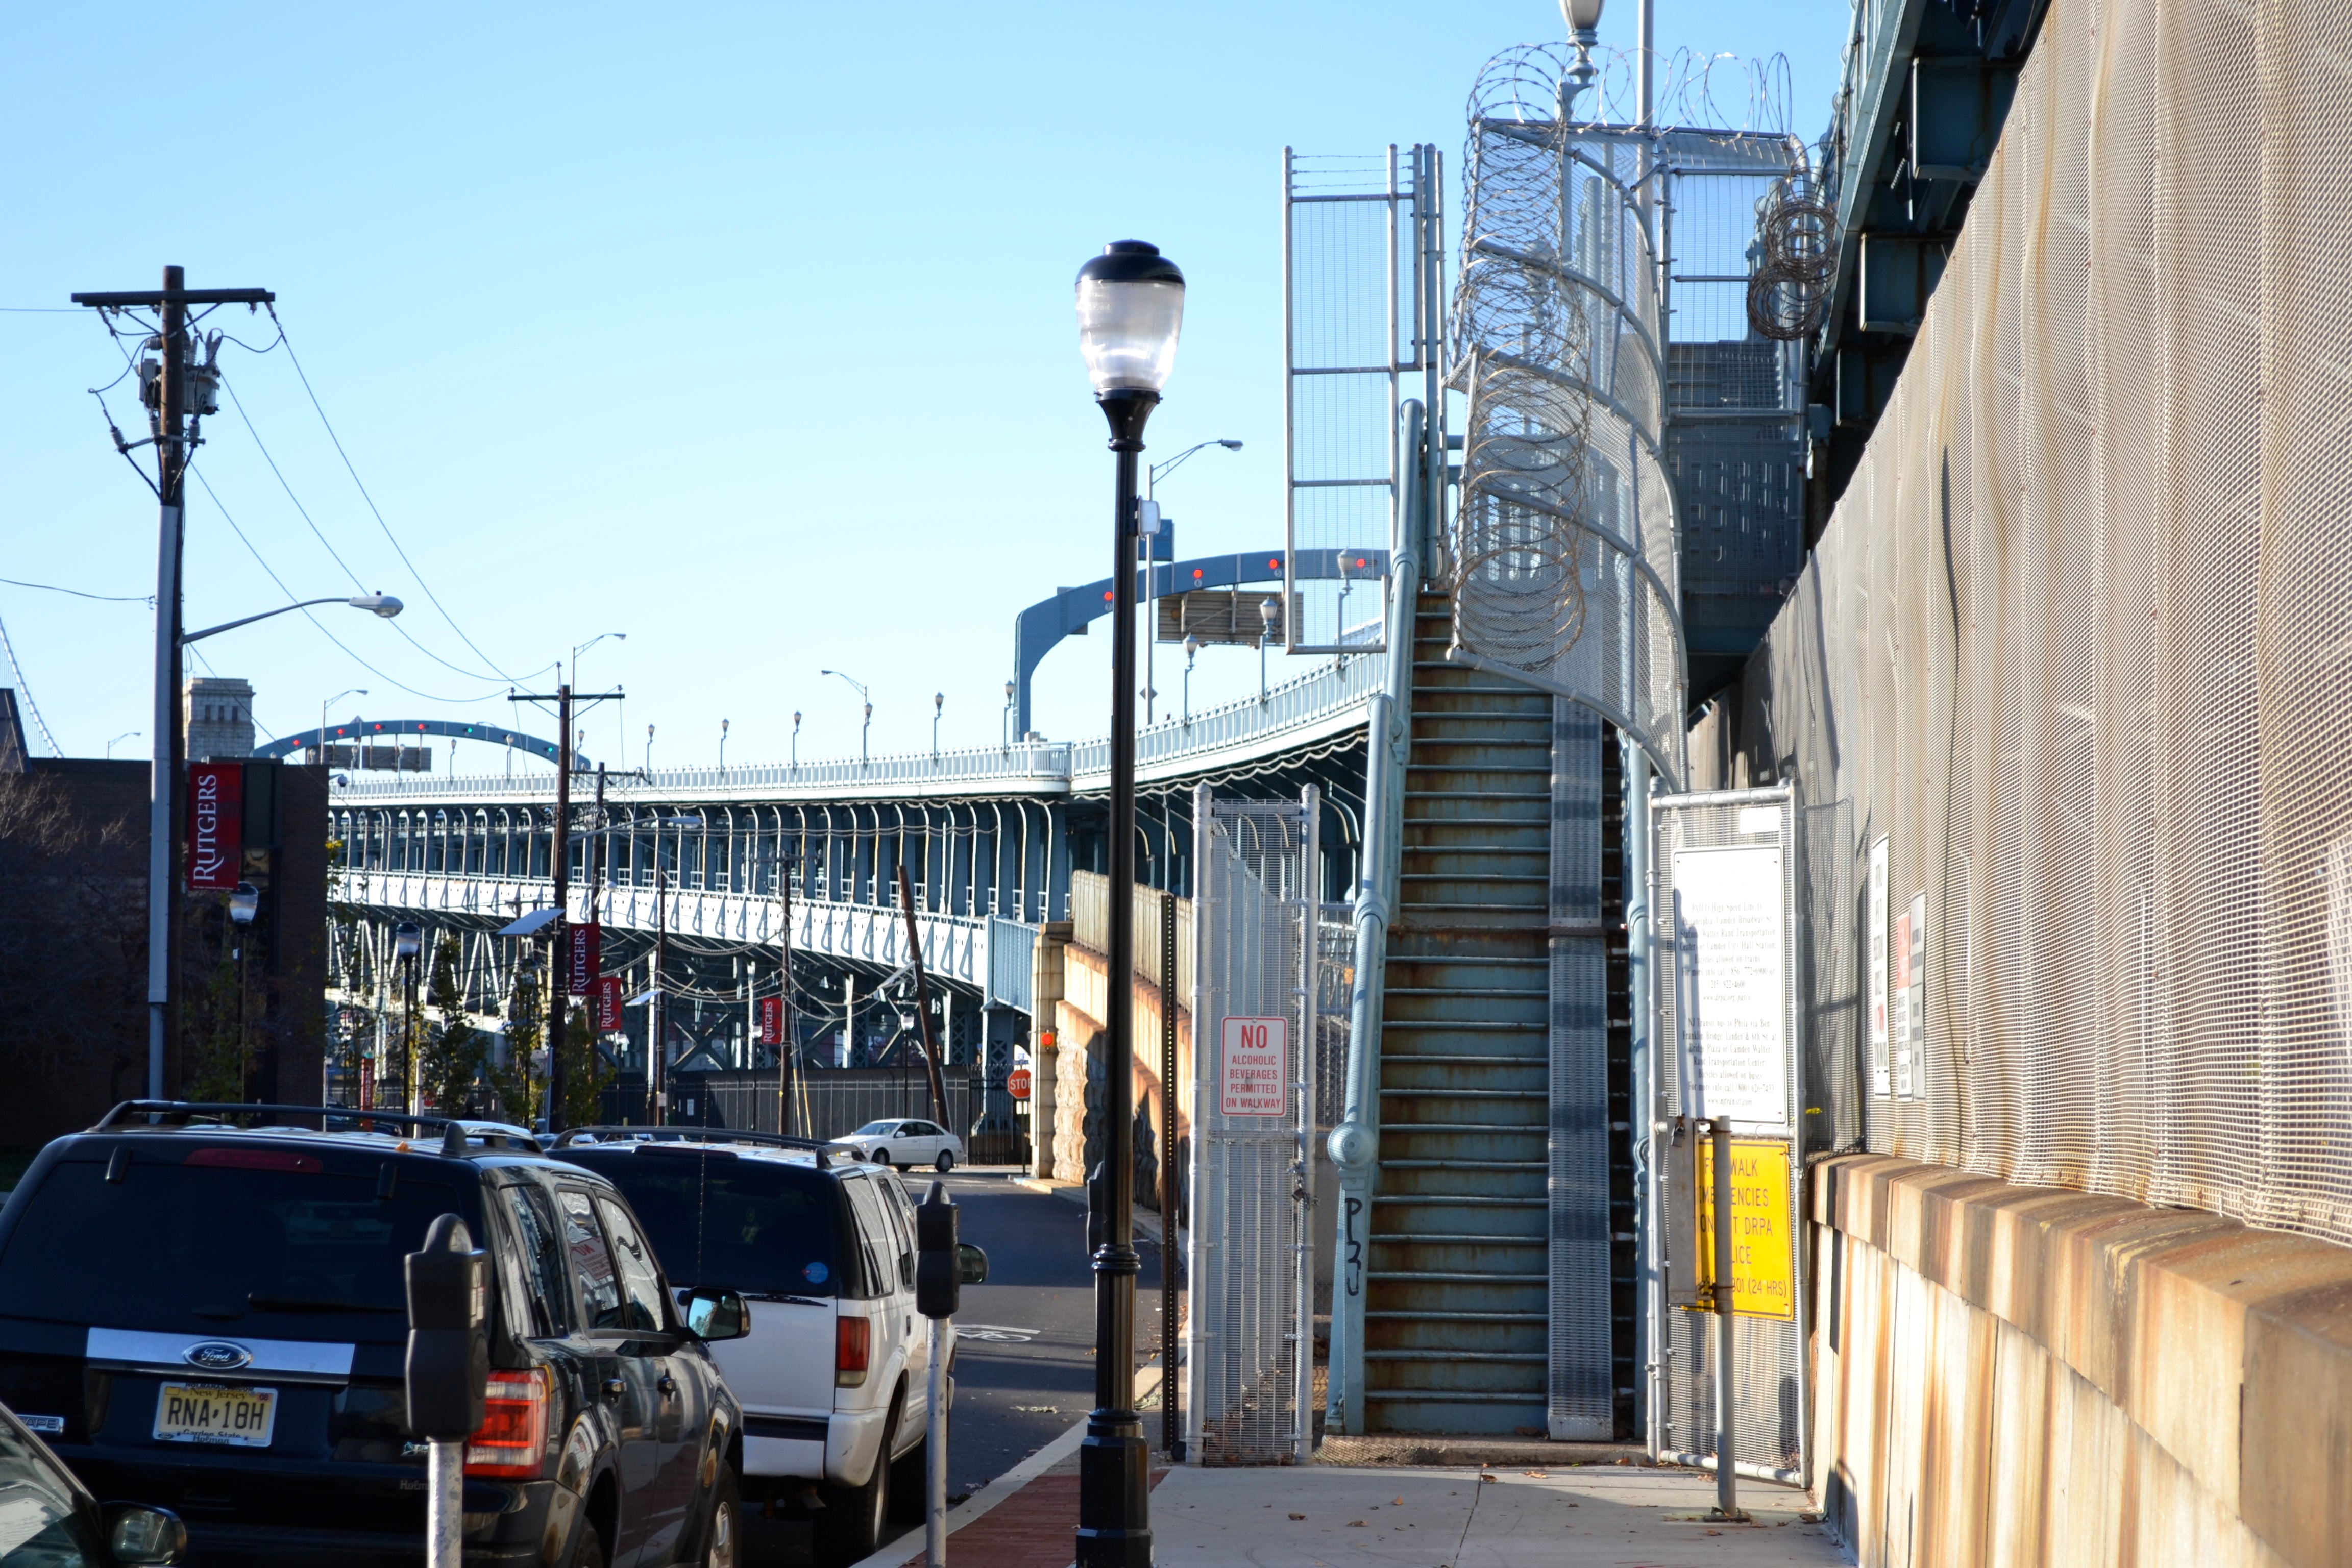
(939, 1291)
(447, 1373)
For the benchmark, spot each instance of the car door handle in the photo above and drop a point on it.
(668, 1386)
(613, 1389)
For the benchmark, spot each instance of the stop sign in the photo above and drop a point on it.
(1016, 1083)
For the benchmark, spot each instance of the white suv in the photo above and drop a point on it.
(904, 1144)
(832, 1375)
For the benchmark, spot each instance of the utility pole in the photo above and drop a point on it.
(559, 868)
(657, 1013)
(173, 444)
(922, 998)
(786, 1050)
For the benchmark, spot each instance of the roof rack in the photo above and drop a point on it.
(177, 1113)
(697, 1135)
(180, 1113)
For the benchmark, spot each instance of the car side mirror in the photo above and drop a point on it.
(715, 1314)
(972, 1264)
(136, 1534)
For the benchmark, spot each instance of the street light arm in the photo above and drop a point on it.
(381, 603)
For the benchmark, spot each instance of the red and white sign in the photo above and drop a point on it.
(586, 941)
(772, 1020)
(1251, 1080)
(608, 1004)
(1016, 1083)
(215, 824)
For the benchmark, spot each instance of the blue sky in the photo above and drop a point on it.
(743, 329)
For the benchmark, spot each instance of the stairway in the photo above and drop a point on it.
(1456, 1320)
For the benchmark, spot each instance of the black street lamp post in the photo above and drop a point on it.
(1130, 308)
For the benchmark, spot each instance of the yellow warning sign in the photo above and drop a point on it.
(1763, 1248)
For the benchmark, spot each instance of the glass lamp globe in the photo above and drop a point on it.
(1581, 16)
(1131, 309)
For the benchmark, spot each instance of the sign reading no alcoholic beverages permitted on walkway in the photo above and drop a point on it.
(1250, 1062)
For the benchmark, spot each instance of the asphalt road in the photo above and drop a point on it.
(1025, 1351)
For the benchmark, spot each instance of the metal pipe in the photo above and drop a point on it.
(1727, 1448)
(1354, 1144)
(1643, 1065)
(935, 1444)
(1310, 889)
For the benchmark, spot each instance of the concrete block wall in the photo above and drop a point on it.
(2008, 1374)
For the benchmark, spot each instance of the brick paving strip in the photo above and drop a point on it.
(1026, 1517)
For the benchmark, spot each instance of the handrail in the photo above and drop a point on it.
(1355, 1143)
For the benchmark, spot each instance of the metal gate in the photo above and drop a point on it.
(1698, 838)
(1249, 1335)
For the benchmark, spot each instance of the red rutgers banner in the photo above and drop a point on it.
(772, 1020)
(608, 1004)
(215, 824)
(587, 939)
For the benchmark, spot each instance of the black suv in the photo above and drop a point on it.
(212, 1319)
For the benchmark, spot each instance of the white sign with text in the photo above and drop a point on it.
(1731, 954)
(1250, 1061)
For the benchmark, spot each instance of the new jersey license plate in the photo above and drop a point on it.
(209, 1412)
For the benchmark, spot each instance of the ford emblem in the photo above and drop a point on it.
(216, 1355)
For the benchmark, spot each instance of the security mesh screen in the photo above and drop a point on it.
(1769, 1355)
(1256, 929)
(2071, 651)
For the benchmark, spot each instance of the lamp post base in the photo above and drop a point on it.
(1114, 1488)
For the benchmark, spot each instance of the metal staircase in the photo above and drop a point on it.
(1456, 1304)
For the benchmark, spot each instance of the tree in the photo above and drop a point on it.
(451, 1057)
(586, 1076)
(514, 1080)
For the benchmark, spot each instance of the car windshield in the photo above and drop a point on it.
(874, 1128)
(295, 1252)
(752, 1225)
(39, 1527)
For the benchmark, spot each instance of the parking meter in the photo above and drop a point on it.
(938, 1277)
(448, 1339)
(448, 1369)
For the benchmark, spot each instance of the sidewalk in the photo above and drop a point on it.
(1587, 1516)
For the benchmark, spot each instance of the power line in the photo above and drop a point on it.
(148, 599)
(295, 360)
(318, 534)
(314, 620)
(30, 706)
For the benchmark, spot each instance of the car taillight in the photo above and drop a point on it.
(852, 1345)
(511, 1442)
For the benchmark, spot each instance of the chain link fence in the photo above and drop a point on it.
(1249, 1332)
(2064, 683)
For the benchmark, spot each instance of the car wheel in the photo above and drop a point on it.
(850, 1527)
(946, 1163)
(590, 1553)
(880, 1156)
(722, 1536)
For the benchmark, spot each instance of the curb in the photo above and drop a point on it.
(910, 1548)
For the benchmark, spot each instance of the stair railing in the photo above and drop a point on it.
(1355, 1143)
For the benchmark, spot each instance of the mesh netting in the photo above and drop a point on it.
(1562, 559)
(2072, 645)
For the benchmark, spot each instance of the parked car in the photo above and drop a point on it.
(48, 1519)
(906, 1144)
(212, 1318)
(834, 1375)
